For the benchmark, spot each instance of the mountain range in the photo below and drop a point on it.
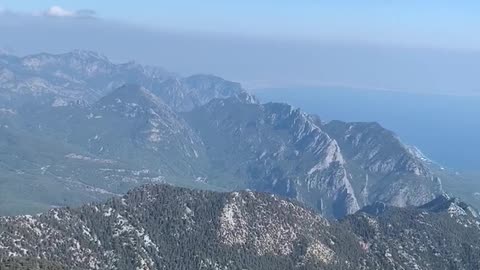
(135, 167)
(78, 128)
(165, 227)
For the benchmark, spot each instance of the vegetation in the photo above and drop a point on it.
(28, 264)
(164, 227)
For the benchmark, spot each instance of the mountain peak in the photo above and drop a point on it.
(132, 101)
(87, 55)
(84, 56)
(186, 94)
(453, 206)
(381, 148)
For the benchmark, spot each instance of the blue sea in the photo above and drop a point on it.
(446, 128)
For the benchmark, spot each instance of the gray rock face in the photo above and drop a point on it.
(277, 149)
(390, 170)
(163, 227)
(376, 149)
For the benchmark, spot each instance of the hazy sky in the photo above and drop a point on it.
(437, 23)
(426, 46)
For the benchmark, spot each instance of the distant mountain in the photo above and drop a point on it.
(163, 227)
(75, 154)
(392, 172)
(77, 128)
(185, 94)
(76, 76)
(85, 76)
(277, 149)
(67, 134)
(335, 168)
(132, 116)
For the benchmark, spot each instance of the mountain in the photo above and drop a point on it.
(147, 124)
(335, 168)
(276, 149)
(67, 134)
(87, 153)
(106, 128)
(442, 234)
(165, 227)
(185, 94)
(392, 171)
(157, 227)
(85, 76)
(62, 78)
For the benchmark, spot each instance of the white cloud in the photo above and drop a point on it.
(53, 11)
(56, 11)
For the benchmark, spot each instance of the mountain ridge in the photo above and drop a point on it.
(200, 131)
(293, 153)
(161, 226)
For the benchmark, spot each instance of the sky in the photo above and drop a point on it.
(415, 46)
(437, 24)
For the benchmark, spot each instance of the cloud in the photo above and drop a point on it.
(57, 11)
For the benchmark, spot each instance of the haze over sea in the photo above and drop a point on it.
(446, 128)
